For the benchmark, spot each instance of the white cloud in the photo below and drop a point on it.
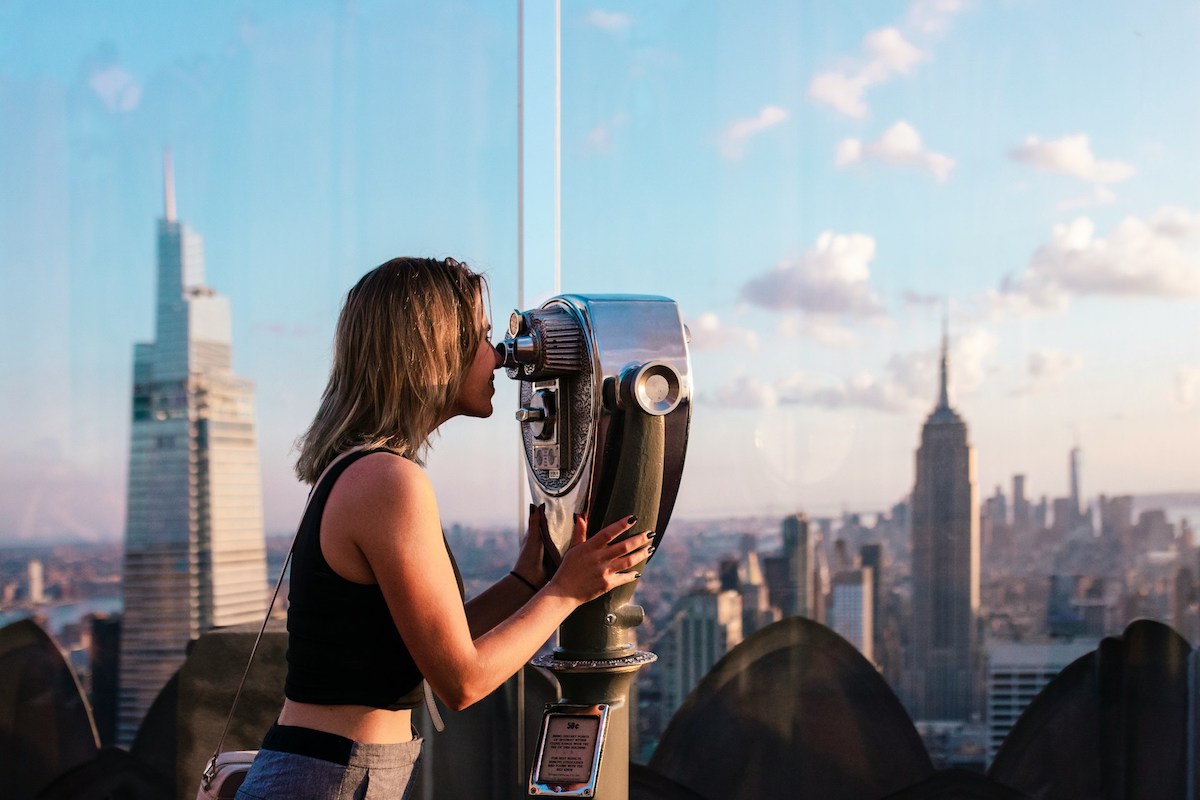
(914, 299)
(1153, 256)
(733, 139)
(1141, 256)
(611, 21)
(1048, 368)
(1187, 387)
(1012, 299)
(818, 327)
(899, 146)
(971, 356)
(858, 391)
(918, 374)
(1071, 156)
(833, 277)
(909, 382)
(746, 392)
(932, 16)
(116, 87)
(1099, 196)
(600, 138)
(842, 91)
(886, 54)
(710, 333)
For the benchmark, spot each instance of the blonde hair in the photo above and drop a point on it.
(406, 336)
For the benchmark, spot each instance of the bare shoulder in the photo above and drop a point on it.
(382, 485)
(378, 496)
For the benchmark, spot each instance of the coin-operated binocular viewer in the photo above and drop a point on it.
(605, 408)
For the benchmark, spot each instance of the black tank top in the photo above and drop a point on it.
(343, 647)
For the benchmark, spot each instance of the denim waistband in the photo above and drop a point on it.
(338, 749)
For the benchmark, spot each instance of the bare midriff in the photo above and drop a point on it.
(360, 723)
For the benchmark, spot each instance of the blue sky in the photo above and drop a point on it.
(813, 182)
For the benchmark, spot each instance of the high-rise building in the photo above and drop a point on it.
(1076, 508)
(818, 583)
(871, 555)
(851, 609)
(194, 550)
(37, 582)
(787, 573)
(103, 661)
(1016, 672)
(944, 680)
(757, 611)
(706, 625)
(1022, 515)
(1185, 604)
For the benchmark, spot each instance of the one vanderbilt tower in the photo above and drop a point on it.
(194, 550)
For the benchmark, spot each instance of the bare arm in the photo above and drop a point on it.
(383, 512)
(495, 604)
(500, 600)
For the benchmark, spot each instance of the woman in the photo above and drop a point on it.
(375, 598)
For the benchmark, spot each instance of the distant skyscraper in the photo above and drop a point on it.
(851, 609)
(787, 573)
(871, 555)
(105, 647)
(37, 581)
(1022, 515)
(194, 550)
(707, 625)
(1076, 498)
(945, 569)
(1017, 672)
(747, 579)
(818, 571)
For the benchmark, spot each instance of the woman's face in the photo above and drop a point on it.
(475, 395)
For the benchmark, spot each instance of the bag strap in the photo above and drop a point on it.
(435, 716)
(211, 769)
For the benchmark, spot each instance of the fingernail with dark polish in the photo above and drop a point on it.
(650, 534)
(650, 551)
(632, 519)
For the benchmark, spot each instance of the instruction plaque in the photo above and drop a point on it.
(568, 751)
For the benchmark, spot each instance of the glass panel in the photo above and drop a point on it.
(894, 230)
(308, 142)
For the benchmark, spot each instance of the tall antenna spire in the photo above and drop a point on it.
(168, 186)
(944, 394)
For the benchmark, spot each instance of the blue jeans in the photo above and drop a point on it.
(305, 764)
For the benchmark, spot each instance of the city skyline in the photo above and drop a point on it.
(814, 186)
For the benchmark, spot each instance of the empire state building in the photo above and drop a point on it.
(942, 670)
(195, 555)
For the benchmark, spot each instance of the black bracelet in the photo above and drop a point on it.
(523, 580)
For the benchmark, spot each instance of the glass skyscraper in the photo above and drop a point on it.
(195, 555)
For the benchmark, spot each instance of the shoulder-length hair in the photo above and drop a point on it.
(405, 339)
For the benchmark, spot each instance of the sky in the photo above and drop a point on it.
(818, 186)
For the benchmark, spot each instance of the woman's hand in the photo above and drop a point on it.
(597, 565)
(531, 559)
